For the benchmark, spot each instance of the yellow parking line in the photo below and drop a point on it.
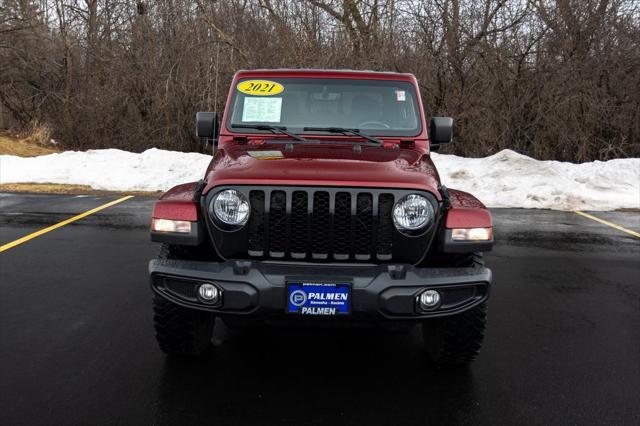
(604, 222)
(61, 224)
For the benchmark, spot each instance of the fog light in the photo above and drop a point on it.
(209, 293)
(429, 299)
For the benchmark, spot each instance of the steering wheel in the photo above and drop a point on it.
(380, 124)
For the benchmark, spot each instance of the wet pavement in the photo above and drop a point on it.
(77, 344)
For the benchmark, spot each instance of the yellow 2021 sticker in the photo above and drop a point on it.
(260, 87)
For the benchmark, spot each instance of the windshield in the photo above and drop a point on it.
(378, 107)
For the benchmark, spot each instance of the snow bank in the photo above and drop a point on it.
(509, 179)
(506, 179)
(108, 169)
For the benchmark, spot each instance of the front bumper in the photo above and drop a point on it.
(251, 288)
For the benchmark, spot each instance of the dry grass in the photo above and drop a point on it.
(24, 147)
(34, 143)
(56, 188)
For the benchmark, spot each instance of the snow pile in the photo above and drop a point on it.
(107, 169)
(509, 179)
(506, 179)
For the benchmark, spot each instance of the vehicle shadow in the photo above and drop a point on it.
(314, 376)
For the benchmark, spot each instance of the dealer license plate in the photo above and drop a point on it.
(317, 298)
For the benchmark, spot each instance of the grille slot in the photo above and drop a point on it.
(385, 233)
(320, 223)
(316, 225)
(342, 226)
(256, 225)
(299, 225)
(278, 224)
(363, 227)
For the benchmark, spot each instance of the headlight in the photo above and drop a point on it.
(231, 207)
(412, 212)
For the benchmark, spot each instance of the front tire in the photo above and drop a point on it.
(179, 330)
(457, 340)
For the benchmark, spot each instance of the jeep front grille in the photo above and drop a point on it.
(321, 224)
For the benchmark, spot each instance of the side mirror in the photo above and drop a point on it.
(440, 131)
(208, 125)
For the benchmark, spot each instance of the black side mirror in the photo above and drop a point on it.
(440, 131)
(208, 125)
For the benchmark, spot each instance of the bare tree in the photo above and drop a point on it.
(550, 78)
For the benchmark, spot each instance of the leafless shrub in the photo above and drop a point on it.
(37, 133)
(550, 78)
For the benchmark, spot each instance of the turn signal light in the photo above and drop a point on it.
(166, 225)
(472, 234)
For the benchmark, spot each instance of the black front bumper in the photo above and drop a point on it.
(258, 288)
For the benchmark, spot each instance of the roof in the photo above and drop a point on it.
(325, 73)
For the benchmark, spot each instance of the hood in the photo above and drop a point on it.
(322, 164)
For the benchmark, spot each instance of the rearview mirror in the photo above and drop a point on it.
(208, 125)
(440, 131)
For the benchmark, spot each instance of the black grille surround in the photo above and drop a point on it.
(321, 225)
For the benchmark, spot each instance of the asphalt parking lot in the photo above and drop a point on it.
(77, 344)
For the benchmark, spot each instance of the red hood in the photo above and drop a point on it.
(323, 165)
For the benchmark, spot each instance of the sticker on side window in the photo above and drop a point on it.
(260, 87)
(401, 96)
(266, 155)
(262, 110)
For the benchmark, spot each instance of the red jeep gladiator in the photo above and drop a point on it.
(322, 204)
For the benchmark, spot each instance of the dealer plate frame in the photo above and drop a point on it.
(331, 282)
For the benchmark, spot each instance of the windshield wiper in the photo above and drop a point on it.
(274, 129)
(344, 131)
